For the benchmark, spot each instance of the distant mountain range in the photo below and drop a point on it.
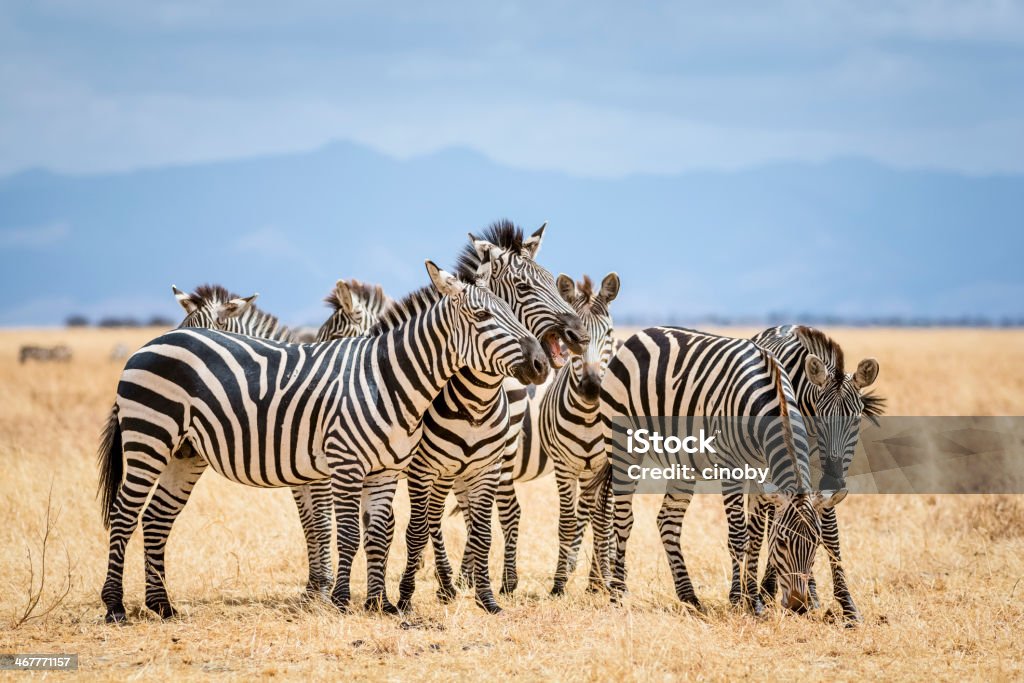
(844, 240)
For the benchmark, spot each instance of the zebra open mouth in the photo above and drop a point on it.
(553, 347)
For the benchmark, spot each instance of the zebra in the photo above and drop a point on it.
(473, 425)
(214, 307)
(833, 403)
(669, 371)
(562, 422)
(60, 354)
(272, 414)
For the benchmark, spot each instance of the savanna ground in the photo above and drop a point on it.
(938, 578)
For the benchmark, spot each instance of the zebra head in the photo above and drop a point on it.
(506, 261)
(213, 307)
(354, 313)
(588, 369)
(793, 538)
(485, 334)
(839, 406)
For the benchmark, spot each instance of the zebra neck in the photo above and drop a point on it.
(567, 388)
(474, 393)
(412, 362)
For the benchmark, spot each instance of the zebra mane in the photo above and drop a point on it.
(825, 348)
(787, 425)
(206, 294)
(408, 307)
(589, 298)
(372, 296)
(503, 233)
(874, 406)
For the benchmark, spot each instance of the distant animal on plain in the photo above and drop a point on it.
(60, 353)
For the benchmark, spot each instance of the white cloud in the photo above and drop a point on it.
(34, 237)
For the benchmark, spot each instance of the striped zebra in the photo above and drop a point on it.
(45, 354)
(474, 424)
(271, 414)
(561, 426)
(667, 371)
(833, 404)
(213, 307)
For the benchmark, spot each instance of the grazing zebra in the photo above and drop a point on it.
(473, 425)
(60, 354)
(833, 404)
(215, 308)
(667, 371)
(561, 426)
(271, 414)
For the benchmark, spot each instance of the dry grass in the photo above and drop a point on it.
(937, 578)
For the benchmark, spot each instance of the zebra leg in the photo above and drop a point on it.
(670, 523)
(420, 485)
(568, 527)
(442, 568)
(590, 500)
(346, 484)
(481, 505)
(142, 468)
(830, 538)
(379, 522)
(314, 503)
(761, 516)
(582, 519)
(465, 579)
(623, 522)
(172, 493)
(743, 588)
(509, 513)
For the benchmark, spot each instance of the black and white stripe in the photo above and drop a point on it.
(270, 414)
(833, 404)
(471, 427)
(667, 371)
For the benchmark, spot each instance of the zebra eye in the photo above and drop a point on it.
(481, 316)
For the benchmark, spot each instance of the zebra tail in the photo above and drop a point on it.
(111, 462)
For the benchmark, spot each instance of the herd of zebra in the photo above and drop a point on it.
(492, 374)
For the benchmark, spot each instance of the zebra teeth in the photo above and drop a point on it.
(554, 348)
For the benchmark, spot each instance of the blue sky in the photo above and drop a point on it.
(593, 89)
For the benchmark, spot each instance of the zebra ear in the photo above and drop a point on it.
(867, 373)
(487, 252)
(609, 287)
(531, 245)
(235, 307)
(816, 370)
(566, 287)
(343, 295)
(185, 300)
(446, 283)
(828, 499)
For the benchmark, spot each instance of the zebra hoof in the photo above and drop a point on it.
(116, 617)
(404, 605)
(342, 603)
(596, 588)
(509, 585)
(757, 607)
(446, 595)
(488, 605)
(558, 590)
(163, 610)
(381, 605)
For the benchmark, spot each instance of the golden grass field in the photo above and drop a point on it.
(939, 579)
